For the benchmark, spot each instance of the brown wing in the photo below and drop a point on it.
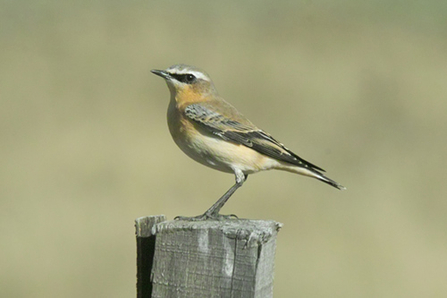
(242, 131)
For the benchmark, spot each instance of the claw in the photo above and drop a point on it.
(207, 216)
(192, 218)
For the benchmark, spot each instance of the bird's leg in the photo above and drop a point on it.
(213, 211)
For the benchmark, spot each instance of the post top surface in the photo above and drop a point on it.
(253, 231)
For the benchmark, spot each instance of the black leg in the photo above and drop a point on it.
(213, 211)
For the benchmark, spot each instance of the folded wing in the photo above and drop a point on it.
(241, 131)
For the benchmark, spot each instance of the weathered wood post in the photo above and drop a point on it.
(231, 258)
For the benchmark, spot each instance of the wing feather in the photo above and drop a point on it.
(244, 133)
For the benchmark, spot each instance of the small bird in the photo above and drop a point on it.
(212, 132)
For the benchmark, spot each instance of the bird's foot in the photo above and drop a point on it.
(207, 216)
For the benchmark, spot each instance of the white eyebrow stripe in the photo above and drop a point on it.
(197, 74)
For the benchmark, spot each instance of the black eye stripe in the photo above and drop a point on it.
(184, 78)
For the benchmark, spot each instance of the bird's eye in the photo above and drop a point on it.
(190, 78)
(184, 78)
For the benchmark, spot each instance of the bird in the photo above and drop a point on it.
(214, 133)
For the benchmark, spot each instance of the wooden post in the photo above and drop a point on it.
(145, 252)
(231, 258)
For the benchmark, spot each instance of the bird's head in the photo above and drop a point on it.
(187, 80)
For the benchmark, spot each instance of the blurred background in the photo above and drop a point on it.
(358, 88)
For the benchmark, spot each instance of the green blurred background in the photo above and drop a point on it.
(358, 88)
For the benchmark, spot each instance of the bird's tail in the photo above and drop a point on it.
(329, 181)
(307, 171)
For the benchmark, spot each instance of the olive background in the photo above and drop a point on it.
(358, 88)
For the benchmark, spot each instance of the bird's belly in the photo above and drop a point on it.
(221, 155)
(211, 150)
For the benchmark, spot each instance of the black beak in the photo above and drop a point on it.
(161, 73)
